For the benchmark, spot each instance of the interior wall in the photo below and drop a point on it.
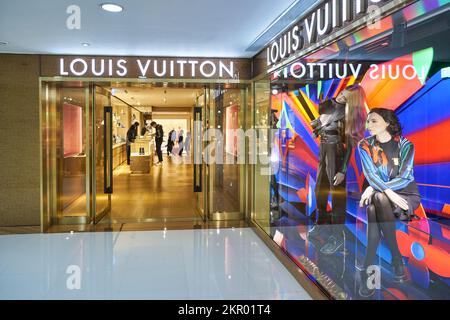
(169, 124)
(20, 145)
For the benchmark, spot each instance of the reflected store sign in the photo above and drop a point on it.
(299, 70)
(327, 18)
(148, 68)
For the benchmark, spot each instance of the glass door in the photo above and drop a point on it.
(200, 168)
(101, 199)
(226, 178)
(220, 195)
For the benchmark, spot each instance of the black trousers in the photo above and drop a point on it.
(158, 149)
(331, 159)
(128, 154)
(169, 147)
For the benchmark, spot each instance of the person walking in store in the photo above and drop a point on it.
(180, 142)
(131, 137)
(340, 126)
(170, 142)
(159, 135)
(187, 143)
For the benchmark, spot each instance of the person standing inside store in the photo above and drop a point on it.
(159, 135)
(170, 142)
(341, 126)
(387, 160)
(187, 143)
(131, 137)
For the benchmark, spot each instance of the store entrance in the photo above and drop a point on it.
(96, 175)
(140, 185)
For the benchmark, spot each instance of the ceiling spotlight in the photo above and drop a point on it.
(111, 7)
(85, 44)
(4, 43)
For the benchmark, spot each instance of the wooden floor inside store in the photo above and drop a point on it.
(164, 193)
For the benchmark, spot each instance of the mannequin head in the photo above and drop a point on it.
(381, 121)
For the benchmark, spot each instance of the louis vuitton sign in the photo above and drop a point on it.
(146, 67)
(328, 17)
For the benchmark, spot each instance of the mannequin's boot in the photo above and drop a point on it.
(399, 269)
(364, 290)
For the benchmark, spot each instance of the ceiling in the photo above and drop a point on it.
(143, 98)
(196, 28)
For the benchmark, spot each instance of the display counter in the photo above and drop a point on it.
(141, 163)
(142, 153)
(145, 142)
(119, 154)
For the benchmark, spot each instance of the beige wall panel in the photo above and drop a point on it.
(19, 147)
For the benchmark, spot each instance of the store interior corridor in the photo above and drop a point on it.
(166, 193)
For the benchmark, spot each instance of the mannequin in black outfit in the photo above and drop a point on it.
(340, 126)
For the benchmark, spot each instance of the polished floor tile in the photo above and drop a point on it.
(228, 263)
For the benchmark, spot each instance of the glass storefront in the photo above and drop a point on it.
(324, 201)
(226, 118)
(73, 125)
(66, 133)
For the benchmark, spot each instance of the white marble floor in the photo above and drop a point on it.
(179, 264)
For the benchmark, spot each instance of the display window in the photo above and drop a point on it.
(359, 195)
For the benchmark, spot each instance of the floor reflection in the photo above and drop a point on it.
(340, 272)
(228, 263)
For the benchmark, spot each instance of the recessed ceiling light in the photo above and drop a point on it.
(111, 7)
(85, 44)
(3, 43)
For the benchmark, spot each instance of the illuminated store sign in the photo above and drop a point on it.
(327, 18)
(138, 67)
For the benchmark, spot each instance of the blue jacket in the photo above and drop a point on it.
(383, 173)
